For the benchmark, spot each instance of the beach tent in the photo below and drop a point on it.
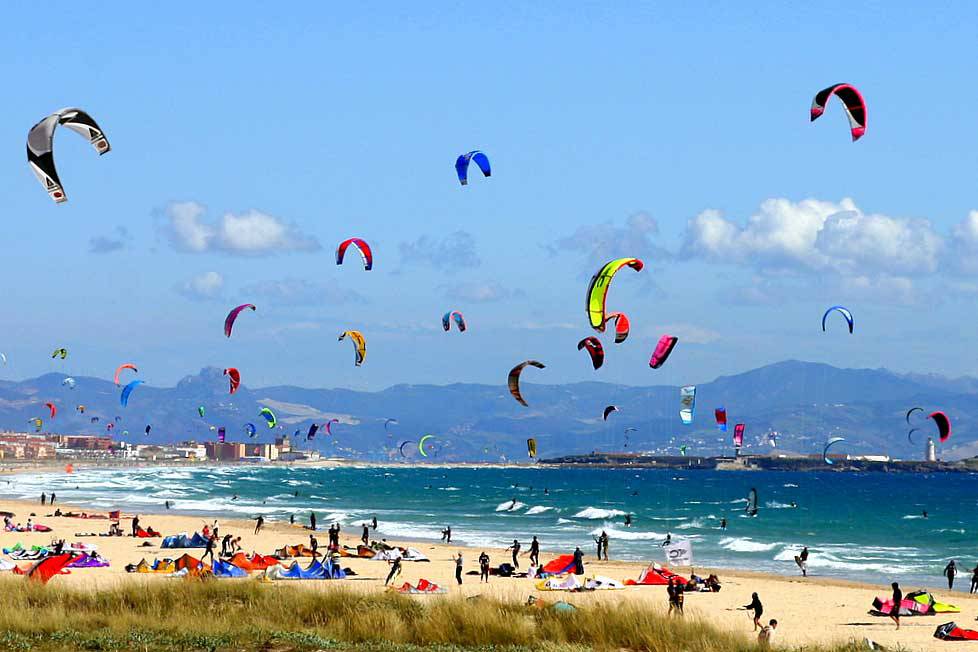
(923, 597)
(560, 565)
(424, 587)
(907, 608)
(600, 583)
(84, 560)
(951, 632)
(569, 583)
(226, 569)
(654, 575)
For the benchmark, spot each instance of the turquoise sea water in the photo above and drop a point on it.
(860, 526)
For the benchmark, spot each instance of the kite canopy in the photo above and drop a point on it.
(608, 410)
(69, 382)
(825, 451)
(738, 436)
(313, 429)
(359, 345)
(40, 146)
(125, 365)
(594, 349)
(233, 316)
(127, 390)
(63, 353)
(250, 429)
(362, 248)
(269, 417)
(687, 403)
(597, 291)
(911, 411)
(329, 424)
(421, 444)
(53, 408)
(852, 101)
(842, 310)
(514, 379)
(662, 351)
(910, 434)
(943, 425)
(388, 422)
(403, 444)
(622, 326)
(721, 416)
(456, 316)
(234, 380)
(531, 447)
(462, 165)
(201, 411)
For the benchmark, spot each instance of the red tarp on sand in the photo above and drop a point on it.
(653, 576)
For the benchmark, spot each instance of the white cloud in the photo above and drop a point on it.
(298, 292)
(455, 250)
(202, 287)
(252, 233)
(600, 243)
(815, 235)
(479, 292)
(965, 244)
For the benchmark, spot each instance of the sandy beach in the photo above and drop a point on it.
(809, 610)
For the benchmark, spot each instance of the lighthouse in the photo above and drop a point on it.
(930, 454)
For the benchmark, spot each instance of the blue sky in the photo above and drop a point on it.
(247, 144)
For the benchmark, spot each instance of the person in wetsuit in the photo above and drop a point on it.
(723, 523)
(897, 599)
(578, 561)
(949, 572)
(534, 552)
(395, 571)
(758, 608)
(484, 567)
(516, 552)
(803, 561)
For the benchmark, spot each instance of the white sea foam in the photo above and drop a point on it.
(694, 524)
(538, 509)
(564, 521)
(912, 516)
(510, 506)
(790, 485)
(746, 544)
(449, 489)
(597, 513)
(773, 504)
(627, 535)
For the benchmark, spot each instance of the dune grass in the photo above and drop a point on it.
(247, 615)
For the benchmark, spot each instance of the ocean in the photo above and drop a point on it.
(861, 526)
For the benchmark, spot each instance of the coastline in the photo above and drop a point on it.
(809, 610)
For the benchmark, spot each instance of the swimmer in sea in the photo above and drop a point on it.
(794, 504)
(925, 513)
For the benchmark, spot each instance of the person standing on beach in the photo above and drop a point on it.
(291, 519)
(534, 552)
(598, 541)
(312, 520)
(373, 524)
(974, 579)
(949, 572)
(803, 561)
(314, 544)
(44, 498)
(215, 528)
(209, 550)
(516, 551)
(135, 525)
(259, 524)
(484, 567)
(458, 568)
(758, 608)
(604, 545)
(365, 537)
(578, 561)
(395, 571)
(226, 546)
(897, 599)
(51, 502)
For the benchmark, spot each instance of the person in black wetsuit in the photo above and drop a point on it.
(484, 567)
(395, 571)
(312, 520)
(210, 548)
(949, 572)
(598, 541)
(974, 579)
(897, 599)
(758, 608)
(534, 552)
(365, 537)
(803, 561)
(516, 552)
(628, 520)
(578, 561)
(723, 523)
(373, 523)
(458, 568)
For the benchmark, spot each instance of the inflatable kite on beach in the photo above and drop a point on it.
(943, 425)
(40, 146)
(127, 365)
(842, 311)
(127, 391)
(594, 349)
(462, 165)
(359, 345)
(448, 317)
(596, 297)
(662, 351)
(233, 316)
(852, 101)
(234, 380)
(362, 248)
(514, 379)
(388, 422)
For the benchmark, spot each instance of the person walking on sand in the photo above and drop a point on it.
(365, 537)
(949, 572)
(458, 568)
(578, 561)
(44, 499)
(974, 579)
(314, 544)
(897, 599)
(395, 571)
(484, 567)
(259, 524)
(758, 608)
(534, 552)
(766, 635)
(209, 550)
(516, 552)
(135, 525)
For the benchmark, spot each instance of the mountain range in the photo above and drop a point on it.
(804, 402)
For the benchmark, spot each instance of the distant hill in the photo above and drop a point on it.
(805, 402)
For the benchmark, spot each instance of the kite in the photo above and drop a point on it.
(69, 382)
(362, 248)
(446, 320)
(126, 391)
(40, 146)
(825, 451)
(93, 419)
(250, 429)
(53, 408)
(608, 410)
(80, 408)
(622, 326)
(594, 349)
(148, 428)
(662, 350)
(943, 425)
(359, 345)
(234, 379)
(721, 416)
(852, 101)
(751, 508)
(329, 423)
(682, 450)
(389, 422)
(60, 352)
(38, 423)
(687, 402)
(269, 417)
(421, 444)
(514, 379)
(233, 316)
(910, 434)
(841, 310)
(200, 411)
(531, 447)
(221, 435)
(403, 444)
(597, 291)
(462, 165)
(738, 437)
(127, 365)
(3, 357)
(911, 411)
(313, 429)
(773, 438)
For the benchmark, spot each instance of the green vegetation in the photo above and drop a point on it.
(248, 615)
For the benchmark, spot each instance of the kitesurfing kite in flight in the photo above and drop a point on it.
(462, 165)
(514, 379)
(852, 101)
(456, 316)
(233, 316)
(595, 350)
(662, 351)
(842, 310)
(126, 365)
(362, 248)
(687, 403)
(825, 451)
(40, 146)
(359, 345)
(597, 292)
(234, 380)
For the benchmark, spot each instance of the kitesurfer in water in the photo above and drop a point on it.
(758, 608)
(925, 513)
(668, 540)
(512, 506)
(897, 599)
(723, 523)
(949, 572)
(628, 520)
